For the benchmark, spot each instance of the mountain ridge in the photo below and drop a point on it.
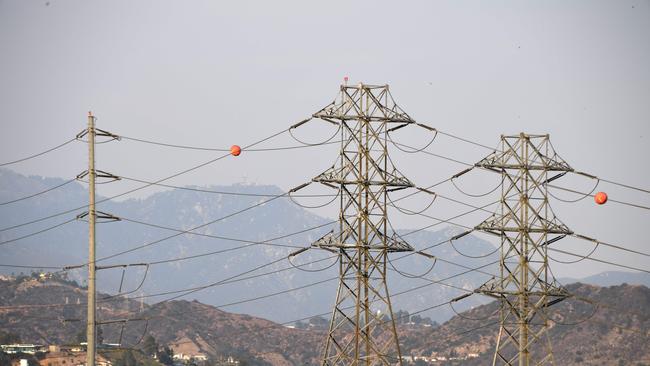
(610, 335)
(185, 209)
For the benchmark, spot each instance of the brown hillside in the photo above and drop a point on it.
(615, 333)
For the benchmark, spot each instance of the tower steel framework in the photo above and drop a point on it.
(527, 226)
(362, 328)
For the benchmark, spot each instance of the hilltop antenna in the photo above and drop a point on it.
(362, 328)
(527, 226)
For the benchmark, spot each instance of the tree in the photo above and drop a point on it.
(127, 359)
(149, 345)
(402, 317)
(8, 337)
(318, 322)
(81, 336)
(166, 356)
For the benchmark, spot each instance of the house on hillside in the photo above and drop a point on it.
(71, 359)
(30, 349)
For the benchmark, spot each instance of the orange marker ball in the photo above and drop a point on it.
(600, 198)
(235, 150)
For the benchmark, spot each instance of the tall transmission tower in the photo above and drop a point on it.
(362, 328)
(527, 226)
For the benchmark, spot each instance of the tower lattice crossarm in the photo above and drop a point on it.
(527, 226)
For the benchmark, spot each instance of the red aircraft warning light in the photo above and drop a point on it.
(600, 198)
(235, 150)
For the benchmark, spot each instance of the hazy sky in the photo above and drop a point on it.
(213, 73)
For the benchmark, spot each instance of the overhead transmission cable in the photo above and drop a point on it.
(38, 193)
(644, 190)
(199, 148)
(185, 171)
(552, 186)
(38, 154)
(225, 193)
(219, 219)
(37, 232)
(590, 194)
(308, 263)
(599, 260)
(597, 242)
(430, 282)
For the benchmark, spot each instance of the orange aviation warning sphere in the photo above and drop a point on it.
(600, 198)
(235, 150)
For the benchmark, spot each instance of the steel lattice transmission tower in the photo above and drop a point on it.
(362, 328)
(526, 225)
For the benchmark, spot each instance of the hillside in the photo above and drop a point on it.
(617, 332)
(188, 327)
(613, 335)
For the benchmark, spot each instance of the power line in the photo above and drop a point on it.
(483, 209)
(406, 255)
(320, 260)
(27, 266)
(253, 242)
(625, 185)
(38, 154)
(608, 199)
(188, 230)
(580, 173)
(249, 242)
(38, 193)
(189, 147)
(599, 260)
(227, 193)
(144, 186)
(572, 234)
(466, 140)
(37, 232)
(185, 291)
(598, 242)
(430, 283)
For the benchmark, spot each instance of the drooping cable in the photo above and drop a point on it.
(584, 195)
(38, 232)
(185, 171)
(199, 148)
(38, 154)
(600, 260)
(225, 193)
(37, 193)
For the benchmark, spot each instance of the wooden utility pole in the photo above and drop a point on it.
(91, 324)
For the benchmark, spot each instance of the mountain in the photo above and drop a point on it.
(614, 331)
(612, 278)
(216, 259)
(581, 334)
(189, 327)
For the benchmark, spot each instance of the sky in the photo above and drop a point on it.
(214, 74)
